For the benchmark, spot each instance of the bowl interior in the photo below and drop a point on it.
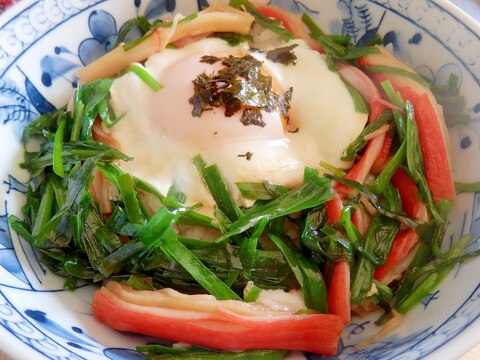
(43, 44)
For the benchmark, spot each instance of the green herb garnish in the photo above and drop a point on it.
(336, 47)
(268, 23)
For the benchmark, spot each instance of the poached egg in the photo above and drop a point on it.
(159, 131)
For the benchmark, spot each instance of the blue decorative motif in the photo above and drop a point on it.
(430, 298)
(63, 62)
(15, 185)
(358, 22)
(44, 335)
(39, 102)
(295, 6)
(123, 354)
(415, 39)
(15, 104)
(353, 329)
(8, 258)
(10, 263)
(5, 237)
(158, 7)
(103, 27)
(201, 4)
(388, 348)
(33, 23)
(14, 322)
(455, 36)
(52, 327)
(58, 65)
(25, 91)
(466, 142)
(20, 104)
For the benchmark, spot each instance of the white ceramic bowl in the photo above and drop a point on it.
(42, 45)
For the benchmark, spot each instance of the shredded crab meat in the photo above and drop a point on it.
(100, 190)
(365, 309)
(376, 133)
(401, 267)
(385, 58)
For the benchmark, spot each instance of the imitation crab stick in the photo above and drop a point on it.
(365, 86)
(217, 328)
(291, 22)
(217, 18)
(334, 209)
(407, 188)
(361, 169)
(339, 291)
(428, 115)
(382, 158)
(361, 220)
(361, 82)
(434, 147)
(402, 245)
(406, 241)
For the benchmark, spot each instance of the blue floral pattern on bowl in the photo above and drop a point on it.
(37, 72)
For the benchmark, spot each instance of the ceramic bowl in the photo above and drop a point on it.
(44, 43)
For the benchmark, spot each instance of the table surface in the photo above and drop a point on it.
(471, 7)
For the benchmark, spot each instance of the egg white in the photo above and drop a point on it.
(160, 133)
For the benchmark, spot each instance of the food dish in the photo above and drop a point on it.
(38, 102)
